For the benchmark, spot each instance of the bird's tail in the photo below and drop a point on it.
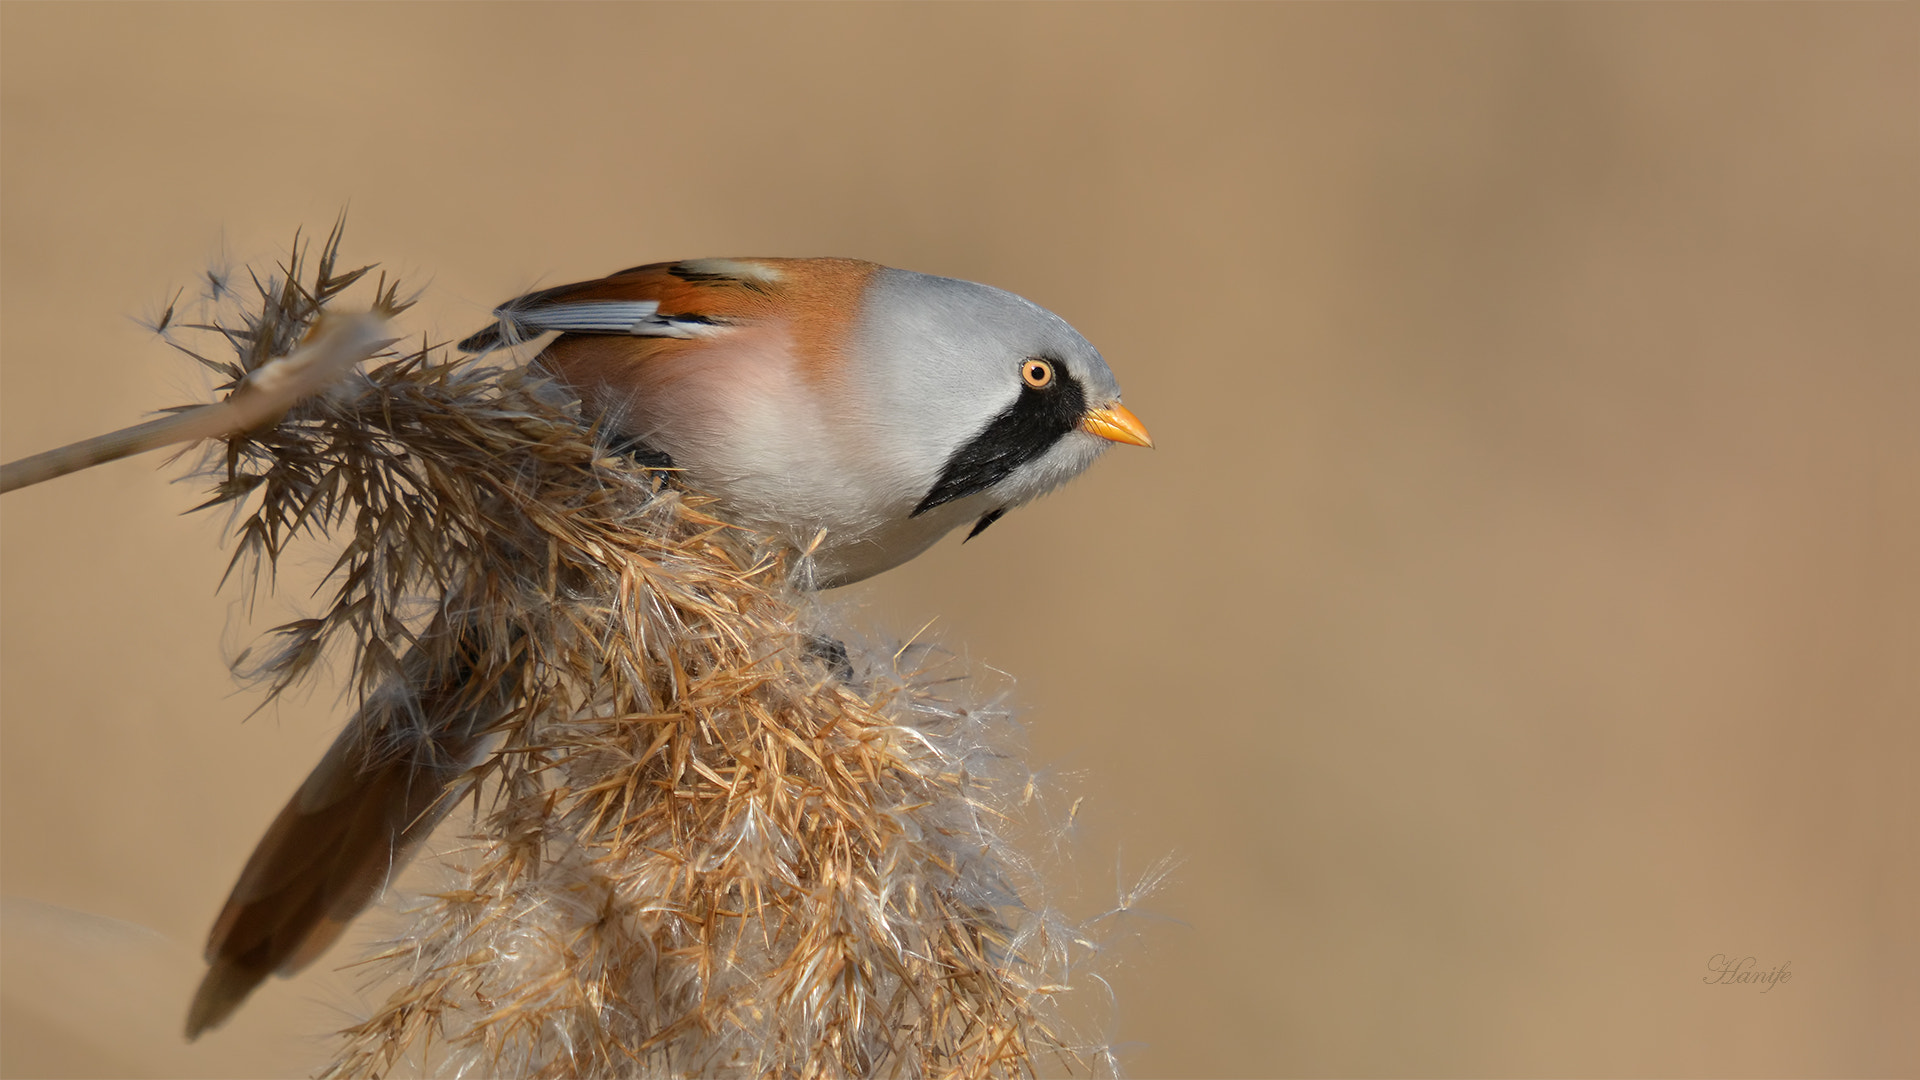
(390, 777)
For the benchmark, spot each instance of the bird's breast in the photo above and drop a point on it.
(786, 449)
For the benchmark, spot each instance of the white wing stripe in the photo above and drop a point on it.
(607, 316)
(638, 317)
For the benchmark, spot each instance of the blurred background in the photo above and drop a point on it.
(1521, 608)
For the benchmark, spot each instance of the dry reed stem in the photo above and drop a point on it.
(262, 397)
(702, 842)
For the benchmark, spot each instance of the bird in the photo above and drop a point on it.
(856, 412)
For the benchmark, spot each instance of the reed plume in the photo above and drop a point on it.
(705, 836)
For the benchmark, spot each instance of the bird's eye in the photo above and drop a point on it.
(1037, 373)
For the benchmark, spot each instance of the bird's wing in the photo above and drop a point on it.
(626, 335)
(689, 299)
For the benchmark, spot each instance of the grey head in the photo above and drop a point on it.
(990, 399)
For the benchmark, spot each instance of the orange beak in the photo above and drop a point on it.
(1116, 423)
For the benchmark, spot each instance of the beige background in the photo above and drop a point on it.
(1521, 609)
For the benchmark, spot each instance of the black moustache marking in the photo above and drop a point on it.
(1027, 429)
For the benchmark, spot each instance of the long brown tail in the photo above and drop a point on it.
(356, 820)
